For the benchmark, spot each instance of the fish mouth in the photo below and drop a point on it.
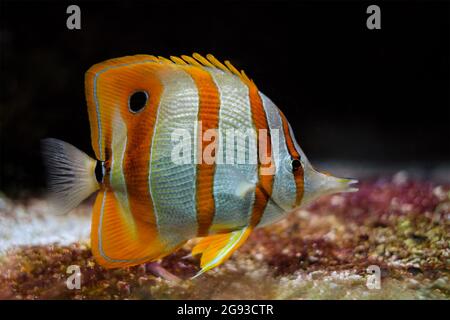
(348, 185)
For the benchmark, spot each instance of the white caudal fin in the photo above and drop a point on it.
(70, 174)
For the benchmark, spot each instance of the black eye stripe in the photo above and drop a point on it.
(137, 101)
(99, 171)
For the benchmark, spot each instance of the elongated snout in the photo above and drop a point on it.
(319, 184)
(335, 184)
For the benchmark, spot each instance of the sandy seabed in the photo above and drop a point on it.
(320, 252)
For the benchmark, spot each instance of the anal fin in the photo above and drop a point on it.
(216, 249)
(116, 242)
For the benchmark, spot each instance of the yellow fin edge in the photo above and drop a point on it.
(217, 249)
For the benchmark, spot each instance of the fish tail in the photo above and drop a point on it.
(71, 174)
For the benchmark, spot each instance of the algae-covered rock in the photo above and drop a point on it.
(324, 251)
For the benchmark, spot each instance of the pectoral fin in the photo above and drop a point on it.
(244, 188)
(218, 248)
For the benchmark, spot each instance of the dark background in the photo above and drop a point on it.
(351, 94)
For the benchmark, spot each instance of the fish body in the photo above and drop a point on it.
(167, 169)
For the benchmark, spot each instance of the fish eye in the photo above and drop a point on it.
(296, 164)
(137, 101)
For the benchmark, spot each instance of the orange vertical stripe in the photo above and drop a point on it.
(208, 115)
(118, 79)
(140, 133)
(91, 83)
(265, 181)
(298, 174)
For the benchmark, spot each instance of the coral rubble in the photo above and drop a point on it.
(320, 252)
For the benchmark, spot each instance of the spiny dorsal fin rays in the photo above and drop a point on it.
(164, 59)
(210, 61)
(228, 67)
(178, 60)
(232, 68)
(202, 60)
(191, 60)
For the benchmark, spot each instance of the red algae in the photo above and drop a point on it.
(319, 252)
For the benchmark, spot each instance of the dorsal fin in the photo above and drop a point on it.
(196, 60)
(210, 61)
